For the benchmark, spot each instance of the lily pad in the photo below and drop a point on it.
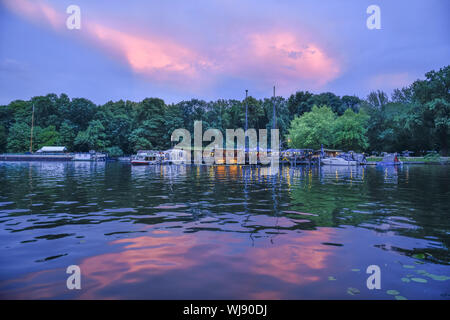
(393, 292)
(352, 291)
(406, 280)
(331, 278)
(437, 277)
(421, 271)
(419, 256)
(400, 298)
(421, 280)
(408, 266)
(356, 270)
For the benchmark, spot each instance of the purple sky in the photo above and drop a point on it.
(211, 49)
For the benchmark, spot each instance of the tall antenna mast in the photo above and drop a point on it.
(246, 110)
(274, 117)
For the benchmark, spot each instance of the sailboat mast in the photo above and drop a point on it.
(274, 117)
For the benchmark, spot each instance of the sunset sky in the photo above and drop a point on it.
(211, 49)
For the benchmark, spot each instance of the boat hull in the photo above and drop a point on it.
(143, 162)
(389, 163)
(338, 162)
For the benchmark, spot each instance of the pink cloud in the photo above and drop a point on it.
(37, 11)
(284, 57)
(150, 55)
(280, 57)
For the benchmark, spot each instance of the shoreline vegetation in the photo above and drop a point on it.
(414, 118)
(415, 160)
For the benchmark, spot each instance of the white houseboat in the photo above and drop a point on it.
(89, 156)
(176, 156)
(337, 161)
(147, 157)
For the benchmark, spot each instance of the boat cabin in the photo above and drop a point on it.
(147, 157)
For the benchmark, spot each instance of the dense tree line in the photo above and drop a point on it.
(416, 118)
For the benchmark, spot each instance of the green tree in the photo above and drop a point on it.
(432, 112)
(377, 99)
(93, 138)
(3, 139)
(350, 131)
(351, 102)
(312, 129)
(114, 152)
(46, 137)
(149, 124)
(80, 112)
(173, 119)
(6, 120)
(440, 112)
(46, 111)
(139, 139)
(330, 100)
(18, 138)
(67, 134)
(299, 103)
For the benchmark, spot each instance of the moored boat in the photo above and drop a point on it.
(176, 156)
(147, 157)
(390, 160)
(336, 161)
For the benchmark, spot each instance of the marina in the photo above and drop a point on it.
(292, 157)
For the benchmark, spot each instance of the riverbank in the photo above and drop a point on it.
(416, 160)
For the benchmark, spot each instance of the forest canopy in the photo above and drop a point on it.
(415, 118)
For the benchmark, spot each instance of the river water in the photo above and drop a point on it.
(223, 232)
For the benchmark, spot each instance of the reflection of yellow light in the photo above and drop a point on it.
(288, 178)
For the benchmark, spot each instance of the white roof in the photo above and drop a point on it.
(52, 149)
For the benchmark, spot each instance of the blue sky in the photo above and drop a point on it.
(211, 49)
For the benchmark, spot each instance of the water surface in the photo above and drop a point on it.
(223, 232)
